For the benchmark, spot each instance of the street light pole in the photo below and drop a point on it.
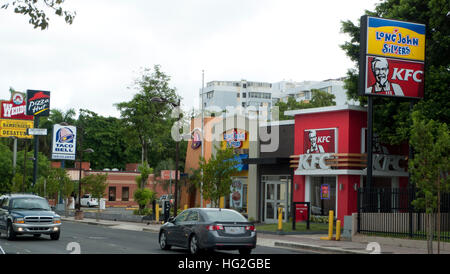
(178, 104)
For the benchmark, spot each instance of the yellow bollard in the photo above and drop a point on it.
(222, 202)
(185, 207)
(280, 218)
(338, 230)
(157, 212)
(330, 227)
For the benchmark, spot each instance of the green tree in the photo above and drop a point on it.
(143, 196)
(96, 185)
(150, 122)
(436, 104)
(105, 135)
(5, 168)
(431, 143)
(145, 170)
(37, 11)
(216, 175)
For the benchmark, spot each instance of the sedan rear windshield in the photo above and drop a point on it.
(29, 204)
(224, 216)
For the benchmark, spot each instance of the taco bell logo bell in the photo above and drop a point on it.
(64, 142)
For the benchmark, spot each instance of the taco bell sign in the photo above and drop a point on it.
(38, 103)
(64, 142)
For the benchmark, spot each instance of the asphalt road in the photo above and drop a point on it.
(94, 239)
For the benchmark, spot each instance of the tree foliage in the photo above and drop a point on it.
(38, 10)
(217, 175)
(148, 122)
(436, 104)
(430, 166)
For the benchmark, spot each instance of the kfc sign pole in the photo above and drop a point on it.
(391, 64)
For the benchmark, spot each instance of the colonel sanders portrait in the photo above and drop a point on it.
(380, 69)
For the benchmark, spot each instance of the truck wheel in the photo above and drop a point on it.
(55, 236)
(10, 234)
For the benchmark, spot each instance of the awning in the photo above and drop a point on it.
(267, 161)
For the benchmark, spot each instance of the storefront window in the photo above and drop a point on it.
(112, 194)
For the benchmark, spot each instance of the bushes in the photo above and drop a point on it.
(143, 197)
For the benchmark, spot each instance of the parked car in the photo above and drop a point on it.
(88, 201)
(28, 214)
(201, 229)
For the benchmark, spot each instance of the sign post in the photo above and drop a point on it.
(391, 64)
(38, 104)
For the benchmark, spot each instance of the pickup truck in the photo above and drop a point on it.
(88, 201)
(27, 214)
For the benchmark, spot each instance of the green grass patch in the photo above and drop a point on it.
(299, 227)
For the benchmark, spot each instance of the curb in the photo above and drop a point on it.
(317, 248)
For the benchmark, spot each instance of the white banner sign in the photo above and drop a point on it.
(64, 142)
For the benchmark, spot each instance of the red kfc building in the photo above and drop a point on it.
(330, 160)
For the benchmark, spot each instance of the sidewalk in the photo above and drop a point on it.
(310, 242)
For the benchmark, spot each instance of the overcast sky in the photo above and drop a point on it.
(91, 63)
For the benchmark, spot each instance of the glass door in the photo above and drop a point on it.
(275, 196)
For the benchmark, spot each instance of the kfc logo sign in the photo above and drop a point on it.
(319, 141)
(386, 76)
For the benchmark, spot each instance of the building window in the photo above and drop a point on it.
(244, 85)
(244, 95)
(210, 94)
(125, 194)
(112, 194)
(243, 104)
(238, 95)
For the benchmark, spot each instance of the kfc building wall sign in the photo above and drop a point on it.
(392, 58)
(319, 141)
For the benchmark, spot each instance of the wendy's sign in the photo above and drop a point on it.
(38, 103)
(15, 108)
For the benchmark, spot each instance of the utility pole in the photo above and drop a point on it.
(203, 137)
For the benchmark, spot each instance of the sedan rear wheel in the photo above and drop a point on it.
(163, 241)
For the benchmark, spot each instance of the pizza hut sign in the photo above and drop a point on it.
(38, 103)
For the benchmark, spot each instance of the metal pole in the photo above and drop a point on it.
(14, 156)
(79, 183)
(369, 142)
(36, 151)
(203, 136)
(25, 166)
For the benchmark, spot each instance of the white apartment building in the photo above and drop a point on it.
(302, 91)
(223, 94)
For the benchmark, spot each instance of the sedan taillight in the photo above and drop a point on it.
(214, 227)
(250, 228)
